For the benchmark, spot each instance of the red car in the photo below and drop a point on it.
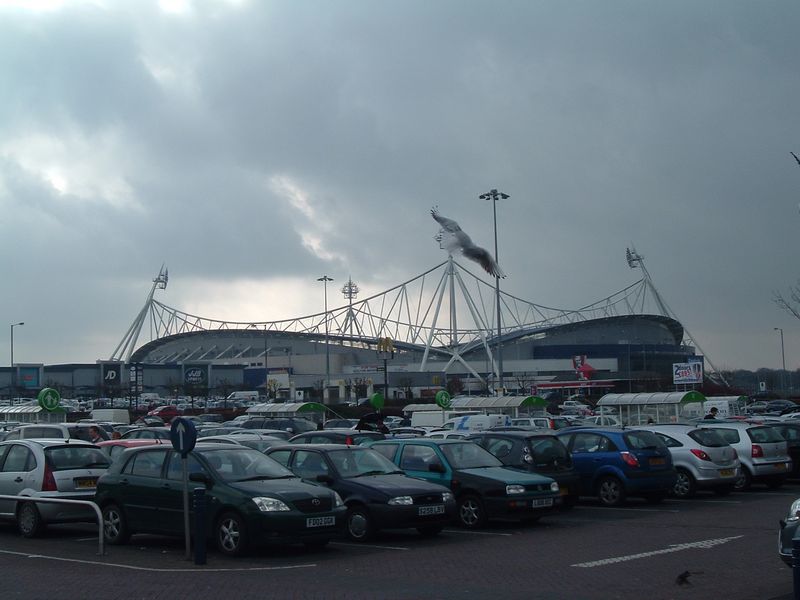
(115, 447)
(167, 413)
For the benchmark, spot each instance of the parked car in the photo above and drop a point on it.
(761, 449)
(256, 442)
(216, 430)
(290, 424)
(340, 423)
(113, 448)
(271, 433)
(778, 406)
(349, 437)
(616, 463)
(54, 468)
(167, 413)
(548, 422)
(251, 499)
(702, 459)
(448, 435)
(787, 532)
(602, 421)
(62, 431)
(790, 431)
(377, 494)
(484, 488)
(536, 451)
(147, 433)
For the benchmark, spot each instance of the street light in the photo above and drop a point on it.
(783, 358)
(325, 279)
(13, 372)
(494, 196)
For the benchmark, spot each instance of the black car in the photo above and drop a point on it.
(536, 451)
(349, 437)
(290, 424)
(378, 495)
(250, 499)
(791, 433)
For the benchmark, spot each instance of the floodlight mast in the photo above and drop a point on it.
(127, 345)
(636, 260)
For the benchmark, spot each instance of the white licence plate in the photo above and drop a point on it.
(431, 510)
(539, 502)
(320, 521)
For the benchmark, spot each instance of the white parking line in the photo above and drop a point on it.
(709, 501)
(156, 569)
(368, 546)
(672, 548)
(669, 510)
(477, 532)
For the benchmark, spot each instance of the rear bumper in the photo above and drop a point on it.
(771, 469)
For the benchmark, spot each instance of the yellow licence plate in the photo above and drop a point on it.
(726, 472)
(86, 483)
(658, 461)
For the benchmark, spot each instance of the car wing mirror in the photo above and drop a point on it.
(436, 468)
(326, 479)
(199, 477)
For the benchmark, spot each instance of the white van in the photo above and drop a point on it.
(436, 418)
(250, 396)
(477, 422)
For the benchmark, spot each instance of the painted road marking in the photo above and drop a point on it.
(710, 501)
(672, 548)
(156, 569)
(368, 546)
(477, 532)
(669, 510)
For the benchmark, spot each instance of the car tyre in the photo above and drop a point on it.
(685, 485)
(115, 525)
(231, 534)
(471, 513)
(610, 491)
(430, 530)
(29, 521)
(744, 481)
(360, 527)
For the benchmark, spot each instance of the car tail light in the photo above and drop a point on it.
(629, 459)
(757, 451)
(348, 440)
(700, 454)
(49, 482)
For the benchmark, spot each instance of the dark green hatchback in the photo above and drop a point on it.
(251, 499)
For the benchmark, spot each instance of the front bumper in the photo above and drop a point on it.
(786, 534)
(524, 506)
(401, 517)
(295, 527)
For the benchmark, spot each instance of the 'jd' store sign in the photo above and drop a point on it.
(196, 375)
(111, 374)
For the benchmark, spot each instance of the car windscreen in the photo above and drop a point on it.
(469, 456)
(643, 440)
(765, 435)
(242, 463)
(66, 458)
(707, 437)
(362, 461)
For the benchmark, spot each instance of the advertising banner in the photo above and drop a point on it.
(29, 377)
(111, 374)
(687, 373)
(196, 375)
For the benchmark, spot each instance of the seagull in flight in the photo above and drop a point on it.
(455, 239)
(795, 157)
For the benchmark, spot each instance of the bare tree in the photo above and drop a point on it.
(790, 305)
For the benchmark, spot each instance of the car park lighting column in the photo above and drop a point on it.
(13, 372)
(325, 279)
(783, 359)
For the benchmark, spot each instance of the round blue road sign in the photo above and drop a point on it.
(183, 434)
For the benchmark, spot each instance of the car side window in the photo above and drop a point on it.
(791, 434)
(388, 450)
(500, 447)
(175, 468)
(669, 442)
(13, 435)
(19, 459)
(146, 464)
(282, 456)
(418, 458)
(308, 464)
(590, 442)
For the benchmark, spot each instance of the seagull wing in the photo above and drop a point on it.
(447, 224)
(484, 259)
(792, 153)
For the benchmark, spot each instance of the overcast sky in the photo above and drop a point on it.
(254, 146)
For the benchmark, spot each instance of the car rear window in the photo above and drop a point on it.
(643, 440)
(547, 450)
(707, 437)
(729, 435)
(765, 435)
(66, 458)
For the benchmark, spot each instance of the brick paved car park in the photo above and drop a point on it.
(593, 552)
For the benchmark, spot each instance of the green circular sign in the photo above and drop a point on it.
(377, 400)
(443, 399)
(49, 399)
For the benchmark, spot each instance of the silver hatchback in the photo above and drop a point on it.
(702, 458)
(762, 450)
(48, 469)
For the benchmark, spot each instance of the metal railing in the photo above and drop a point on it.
(89, 503)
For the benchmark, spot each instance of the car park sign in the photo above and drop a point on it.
(183, 435)
(49, 399)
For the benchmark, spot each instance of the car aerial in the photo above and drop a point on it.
(537, 451)
(113, 448)
(701, 457)
(615, 463)
(147, 433)
(378, 495)
(291, 424)
(340, 423)
(251, 499)
(53, 468)
(64, 431)
(790, 431)
(337, 436)
(787, 531)
(484, 488)
(762, 451)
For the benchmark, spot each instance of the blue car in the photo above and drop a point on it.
(615, 463)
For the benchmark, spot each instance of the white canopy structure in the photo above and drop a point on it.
(660, 407)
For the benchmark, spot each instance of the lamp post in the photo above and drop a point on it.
(494, 196)
(783, 358)
(266, 365)
(325, 279)
(13, 371)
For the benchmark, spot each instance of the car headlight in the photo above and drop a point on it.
(515, 489)
(401, 501)
(554, 486)
(270, 504)
(337, 500)
(794, 511)
(448, 497)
